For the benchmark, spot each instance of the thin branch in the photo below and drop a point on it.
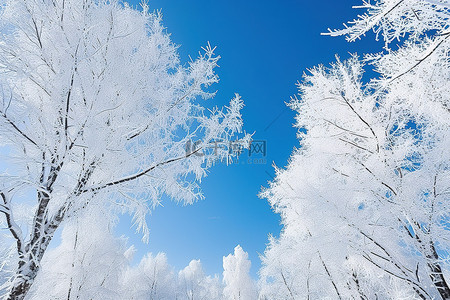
(364, 121)
(399, 277)
(356, 145)
(132, 136)
(69, 92)
(329, 275)
(287, 286)
(326, 269)
(347, 130)
(20, 132)
(422, 59)
(12, 226)
(38, 35)
(433, 200)
(382, 182)
(138, 175)
(357, 35)
(391, 260)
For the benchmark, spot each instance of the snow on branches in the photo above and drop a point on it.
(96, 107)
(364, 200)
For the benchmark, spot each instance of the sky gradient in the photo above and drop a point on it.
(265, 46)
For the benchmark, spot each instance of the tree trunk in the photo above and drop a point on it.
(437, 277)
(24, 279)
(21, 288)
(44, 229)
(435, 271)
(439, 281)
(29, 265)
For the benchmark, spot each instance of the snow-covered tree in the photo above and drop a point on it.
(152, 279)
(236, 276)
(96, 108)
(194, 284)
(88, 264)
(365, 200)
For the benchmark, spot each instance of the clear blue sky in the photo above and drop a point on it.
(265, 48)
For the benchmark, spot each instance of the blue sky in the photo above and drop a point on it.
(265, 48)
